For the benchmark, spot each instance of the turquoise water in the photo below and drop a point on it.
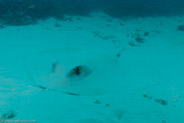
(91, 66)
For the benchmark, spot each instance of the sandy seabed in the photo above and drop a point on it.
(131, 70)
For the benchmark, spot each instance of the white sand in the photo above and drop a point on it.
(113, 92)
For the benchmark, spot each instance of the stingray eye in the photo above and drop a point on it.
(79, 72)
(73, 70)
(76, 71)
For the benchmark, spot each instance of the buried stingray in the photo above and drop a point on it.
(78, 72)
(70, 73)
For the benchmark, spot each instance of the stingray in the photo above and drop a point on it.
(35, 84)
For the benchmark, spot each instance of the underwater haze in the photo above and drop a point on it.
(23, 12)
(92, 61)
